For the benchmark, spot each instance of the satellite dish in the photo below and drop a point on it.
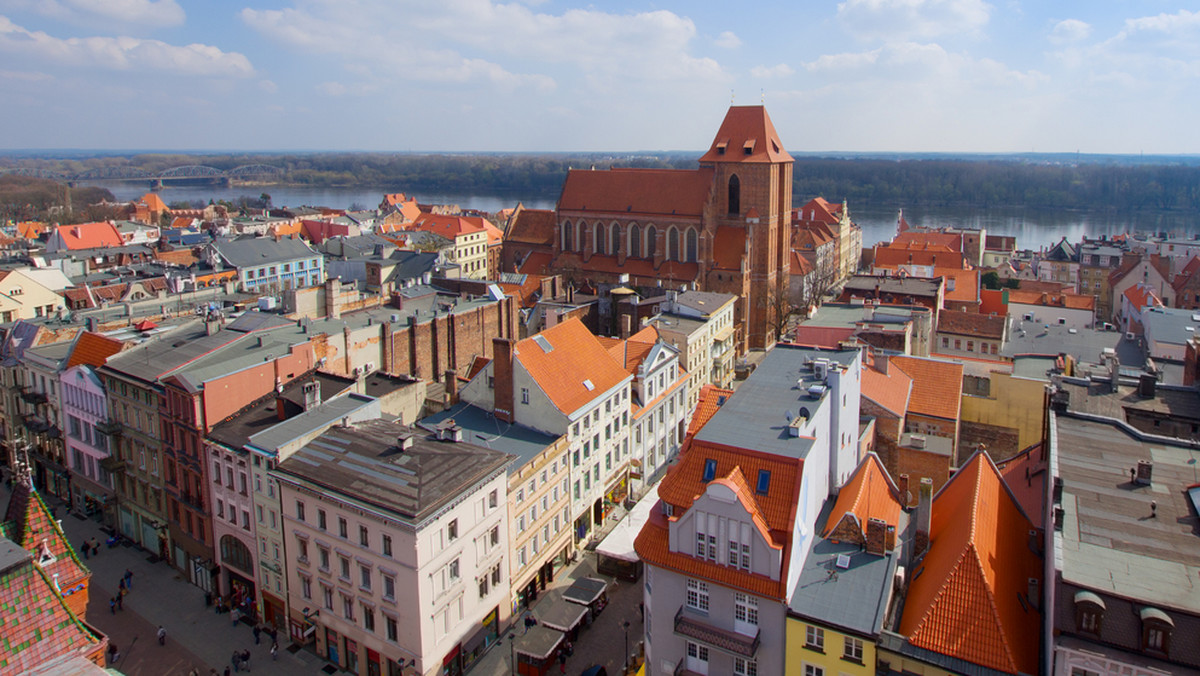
(788, 415)
(804, 413)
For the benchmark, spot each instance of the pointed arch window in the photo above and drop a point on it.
(692, 246)
(600, 239)
(568, 242)
(615, 238)
(735, 195)
(635, 241)
(673, 244)
(651, 241)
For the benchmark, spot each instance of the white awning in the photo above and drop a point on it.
(619, 543)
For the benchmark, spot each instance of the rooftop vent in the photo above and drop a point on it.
(843, 561)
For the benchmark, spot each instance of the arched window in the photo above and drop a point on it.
(651, 241)
(692, 246)
(673, 244)
(568, 242)
(735, 195)
(635, 241)
(598, 232)
(615, 238)
(235, 553)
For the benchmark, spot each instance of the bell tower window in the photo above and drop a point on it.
(735, 196)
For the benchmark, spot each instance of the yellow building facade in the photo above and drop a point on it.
(818, 650)
(1013, 402)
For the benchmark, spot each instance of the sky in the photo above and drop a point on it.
(1091, 76)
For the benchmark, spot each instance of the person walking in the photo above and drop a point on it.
(128, 579)
(233, 615)
(246, 659)
(121, 600)
(121, 585)
(85, 549)
(274, 650)
(162, 635)
(237, 661)
(257, 633)
(112, 605)
(95, 547)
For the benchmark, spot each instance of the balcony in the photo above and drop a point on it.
(682, 670)
(33, 397)
(35, 424)
(111, 428)
(695, 627)
(114, 465)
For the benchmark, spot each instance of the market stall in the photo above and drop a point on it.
(536, 651)
(615, 554)
(588, 591)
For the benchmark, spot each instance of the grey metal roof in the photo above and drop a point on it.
(755, 417)
(1033, 338)
(853, 598)
(263, 418)
(585, 590)
(704, 301)
(411, 265)
(848, 315)
(1170, 325)
(482, 428)
(363, 463)
(906, 286)
(1109, 542)
(251, 252)
(12, 554)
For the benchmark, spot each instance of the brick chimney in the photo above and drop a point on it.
(502, 379)
(626, 326)
(924, 519)
(451, 387)
(881, 363)
(902, 485)
(876, 536)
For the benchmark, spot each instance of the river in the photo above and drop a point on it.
(1033, 228)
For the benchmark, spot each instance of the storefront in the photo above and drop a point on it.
(452, 663)
(481, 640)
(614, 496)
(273, 610)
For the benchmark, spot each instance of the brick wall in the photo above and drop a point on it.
(919, 465)
(1001, 442)
(847, 530)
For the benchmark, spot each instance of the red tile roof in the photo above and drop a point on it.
(536, 263)
(746, 135)
(1071, 301)
(773, 513)
(575, 357)
(93, 349)
(965, 596)
(38, 626)
(90, 235)
(821, 336)
(800, 266)
(449, 227)
(710, 401)
(869, 494)
(676, 192)
(1025, 475)
(992, 301)
(972, 324)
(891, 391)
(936, 255)
(922, 238)
(533, 226)
(818, 210)
(937, 386)
(966, 284)
(154, 202)
(29, 523)
(1141, 296)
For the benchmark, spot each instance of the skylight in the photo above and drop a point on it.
(843, 561)
(710, 470)
(588, 384)
(543, 343)
(764, 481)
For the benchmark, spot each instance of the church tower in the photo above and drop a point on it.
(752, 193)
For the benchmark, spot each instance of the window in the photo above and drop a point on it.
(327, 594)
(345, 565)
(368, 618)
(697, 595)
(387, 545)
(742, 667)
(710, 470)
(348, 607)
(343, 528)
(454, 570)
(306, 587)
(735, 196)
(392, 627)
(814, 638)
(852, 649)
(745, 609)
(452, 530)
(323, 554)
(813, 670)
(696, 651)
(764, 481)
(492, 500)
(320, 519)
(389, 587)
(364, 538)
(303, 547)
(524, 395)
(365, 577)
(495, 537)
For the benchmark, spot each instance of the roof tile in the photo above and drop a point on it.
(936, 388)
(575, 356)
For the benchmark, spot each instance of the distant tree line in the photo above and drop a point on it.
(980, 182)
(37, 199)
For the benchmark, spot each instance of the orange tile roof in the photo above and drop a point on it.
(477, 365)
(746, 127)
(922, 238)
(936, 388)
(1142, 296)
(891, 391)
(1025, 475)
(678, 192)
(31, 229)
(1071, 301)
(992, 301)
(972, 324)
(935, 255)
(29, 523)
(494, 235)
(774, 513)
(533, 226)
(90, 235)
(800, 265)
(966, 284)
(869, 494)
(154, 202)
(185, 257)
(964, 599)
(729, 247)
(449, 227)
(39, 627)
(710, 401)
(817, 210)
(93, 349)
(575, 356)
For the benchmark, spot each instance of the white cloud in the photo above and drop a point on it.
(778, 70)
(25, 76)
(268, 86)
(894, 20)
(128, 13)
(728, 40)
(1182, 22)
(1070, 30)
(121, 53)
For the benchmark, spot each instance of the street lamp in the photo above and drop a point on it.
(512, 653)
(625, 661)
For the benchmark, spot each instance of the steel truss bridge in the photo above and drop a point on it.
(190, 171)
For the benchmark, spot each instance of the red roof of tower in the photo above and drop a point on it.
(746, 135)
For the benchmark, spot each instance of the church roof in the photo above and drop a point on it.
(746, 135)
(675, 192)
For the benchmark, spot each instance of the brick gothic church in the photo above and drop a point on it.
(722, 227)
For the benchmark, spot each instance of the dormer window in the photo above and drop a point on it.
(748, 148)
(764, 481)
(45, 556)
(710, 470)
(1156, 630)
(1089, 612)
(722, 145)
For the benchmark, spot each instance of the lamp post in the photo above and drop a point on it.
(512, 653)
(625, 658)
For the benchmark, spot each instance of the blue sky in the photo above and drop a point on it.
(478, 75)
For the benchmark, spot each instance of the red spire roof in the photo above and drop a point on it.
(746, 135)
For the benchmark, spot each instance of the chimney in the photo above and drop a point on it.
(876, 536)
(570, 293)
(502, 379)
(1146, 384)
(1145, 470)
(924, 519)
(280, 408)
(406, 440)
(902, 484)
(881, 363)
(312, 395)
(626, 325)
(451, 386)
(889, 539)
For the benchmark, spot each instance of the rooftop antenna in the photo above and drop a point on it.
(731, 97)
(762, 96)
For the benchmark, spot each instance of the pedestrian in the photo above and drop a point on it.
(121, 601)
(95, 547)
(246, 659)
(121, 585)
(236, 660)
(226, 671)
(233, 614)
(112, 654)
(112, 605)
(84, 549)
(274, 650)
(128, 578)
(162, 635)
(257, 632)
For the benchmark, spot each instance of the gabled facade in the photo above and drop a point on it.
(23, 297)
(98, 235)
(1150, 269)
(701, 326)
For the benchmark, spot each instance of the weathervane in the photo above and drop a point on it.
(731, 97)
